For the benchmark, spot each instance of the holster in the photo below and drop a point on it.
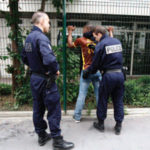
(50, 78)
(124, 70)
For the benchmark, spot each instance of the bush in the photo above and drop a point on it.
(5, 89)
(137, 92)
(23, 95)
(73, 72)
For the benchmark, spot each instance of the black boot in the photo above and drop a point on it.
(60, 144)
(43, 138)
(99, 125)
(117, 128)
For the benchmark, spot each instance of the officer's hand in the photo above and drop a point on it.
(91, 46)
(85, 74)
(71, 28)
(110, 29)
(58, 73)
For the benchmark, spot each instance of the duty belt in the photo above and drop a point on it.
(41, 75)
(113, 70)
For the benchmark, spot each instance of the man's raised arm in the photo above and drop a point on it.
(70, 41)
(110, 30)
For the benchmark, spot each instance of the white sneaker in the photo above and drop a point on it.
(76, 121)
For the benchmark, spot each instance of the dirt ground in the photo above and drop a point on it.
(8, 103)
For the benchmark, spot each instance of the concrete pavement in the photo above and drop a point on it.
(17, 133)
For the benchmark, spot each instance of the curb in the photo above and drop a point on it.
(92, 113)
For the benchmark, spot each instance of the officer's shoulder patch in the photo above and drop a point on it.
(28, 47)
(113, 49)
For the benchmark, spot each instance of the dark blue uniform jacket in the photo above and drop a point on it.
(107, 55)
(38, 54)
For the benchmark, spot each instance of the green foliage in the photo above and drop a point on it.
(58, 4)
(5, 89)
(91, 99)
(137, 92)
(3, 57)
(23, 95)
(90, 91)
(73, 68)
(21, 91)
(16, 37)
(90, 106)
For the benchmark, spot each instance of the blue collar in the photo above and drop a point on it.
(35, 28)
(104, 36)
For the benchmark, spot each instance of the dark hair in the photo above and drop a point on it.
(100, 29)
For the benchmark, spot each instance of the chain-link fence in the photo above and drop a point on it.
(130, 19)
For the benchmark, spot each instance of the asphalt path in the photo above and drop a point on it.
(17, 133)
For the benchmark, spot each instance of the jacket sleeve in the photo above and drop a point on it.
(24, 57)
(48, 57)
(96, 62)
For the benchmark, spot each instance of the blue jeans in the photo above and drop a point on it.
(84, 84)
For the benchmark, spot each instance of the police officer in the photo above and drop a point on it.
(38, 55)
(108, 59)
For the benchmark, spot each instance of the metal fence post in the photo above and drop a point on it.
(64, 56)
(132, 51)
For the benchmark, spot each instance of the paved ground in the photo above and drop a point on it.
(18, 134)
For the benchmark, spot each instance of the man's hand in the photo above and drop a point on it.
(85, 74)
(91, 46)
(110, 29)
(71, 28)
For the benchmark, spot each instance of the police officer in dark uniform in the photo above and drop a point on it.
(108, 59)
(38, 55)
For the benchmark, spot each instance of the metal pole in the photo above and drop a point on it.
(132, 51)
(132, 54)
(64, 56)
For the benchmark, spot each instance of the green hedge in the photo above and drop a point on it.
(5, 89)
(137, 92)
(23, 94)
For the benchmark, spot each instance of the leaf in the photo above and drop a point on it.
(4, 57)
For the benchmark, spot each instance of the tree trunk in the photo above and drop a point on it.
(42, 5)
(13, 5)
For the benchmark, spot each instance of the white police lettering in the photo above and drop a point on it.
(113, 49)
(49, 46)
(28, 47)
